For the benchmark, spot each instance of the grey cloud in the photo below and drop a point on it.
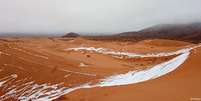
(93, 15)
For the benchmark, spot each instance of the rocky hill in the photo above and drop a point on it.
(71, 34)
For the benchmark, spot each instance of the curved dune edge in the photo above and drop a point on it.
(128, 54)
(121, 79)
(145, 75)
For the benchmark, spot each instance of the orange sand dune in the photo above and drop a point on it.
(163, 43)
(48, 65)
(180, 85)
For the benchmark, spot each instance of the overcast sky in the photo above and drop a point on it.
(58, 16)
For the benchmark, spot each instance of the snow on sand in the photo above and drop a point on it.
(38, 92)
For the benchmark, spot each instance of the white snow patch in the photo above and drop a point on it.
(83, 65)
(24, 90)
(144, 75)
(119, 54)
(88, 49)
(67, 75)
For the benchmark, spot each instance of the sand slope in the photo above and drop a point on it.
(180, 85)
(163, 43)
(47, 62)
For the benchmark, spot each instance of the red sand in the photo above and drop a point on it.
(45, 60)
(180, 85)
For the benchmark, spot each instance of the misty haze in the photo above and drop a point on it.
(94, 16)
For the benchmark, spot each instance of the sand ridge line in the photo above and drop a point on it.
(3, 53)
(21, 50)
(11, 65)
(69, 71)
(119, 54)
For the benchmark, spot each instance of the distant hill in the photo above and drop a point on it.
(182, 32)
(185, 32)
(163, 43)
(71, 34)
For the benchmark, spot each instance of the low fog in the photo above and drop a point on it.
(93, 16)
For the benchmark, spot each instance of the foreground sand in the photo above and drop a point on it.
(180, 85)
(46, 61)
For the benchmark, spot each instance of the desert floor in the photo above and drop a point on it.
(55, 68)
